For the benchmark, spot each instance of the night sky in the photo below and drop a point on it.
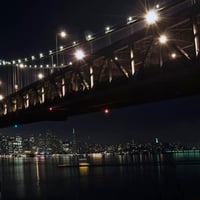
(29, 27)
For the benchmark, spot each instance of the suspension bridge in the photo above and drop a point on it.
(152, 56)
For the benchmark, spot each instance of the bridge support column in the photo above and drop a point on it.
(63, 87)
(196, 33)
(91, 77)
(52, 61)
(132, 61)
(110, 71)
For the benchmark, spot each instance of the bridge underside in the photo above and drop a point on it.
(148, 85)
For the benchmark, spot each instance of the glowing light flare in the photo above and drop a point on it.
(108, 29)
(40, 76)
(151, 17)
(1, 97)
(173, 55)
(16, 87)
(63, 34)
(50, 108)
(157, 6)
(15, 126)
(163, 39)
(89, 37)
(79, 54)
(74, 43)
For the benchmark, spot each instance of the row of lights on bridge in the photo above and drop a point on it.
(151, 18)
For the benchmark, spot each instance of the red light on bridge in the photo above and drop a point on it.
(106, 111)
(50, 108)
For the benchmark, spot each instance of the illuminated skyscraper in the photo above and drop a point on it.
(74, 142)
(156, 140)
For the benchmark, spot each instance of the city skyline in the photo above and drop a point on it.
(175, 120)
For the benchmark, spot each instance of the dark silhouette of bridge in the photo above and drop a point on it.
(134, 63)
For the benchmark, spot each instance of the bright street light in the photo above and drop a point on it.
(151, 17)
(40, 76)
(1, 97)
(173, 55)
(21, 65)
(163, 39)
(131, 19)
(79, 54)
(63, 34)
(89, 37)
(16, 87)
(108, 29)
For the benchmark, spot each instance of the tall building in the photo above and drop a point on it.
(156, 140)
(74, 142)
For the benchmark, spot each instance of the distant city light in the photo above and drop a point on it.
(41, 55)
(151, 17)
(157, 6)
(79, 54)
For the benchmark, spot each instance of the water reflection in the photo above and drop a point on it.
(19, 176)
(37, 176)
(147, 176)
(83, 170)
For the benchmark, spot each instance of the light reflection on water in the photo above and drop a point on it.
(147, 176)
